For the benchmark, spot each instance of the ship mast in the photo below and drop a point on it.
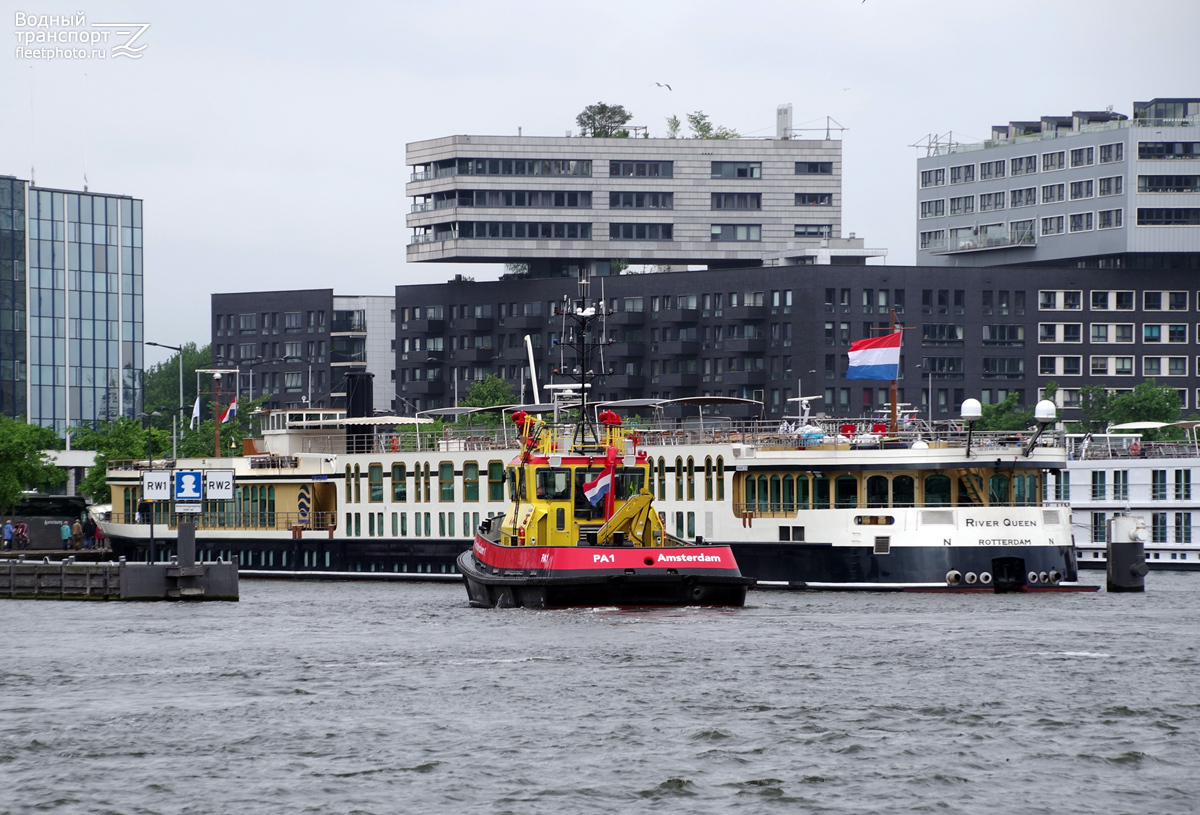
(581, 336)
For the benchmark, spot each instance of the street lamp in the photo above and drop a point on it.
(175, 418)
(150, 468)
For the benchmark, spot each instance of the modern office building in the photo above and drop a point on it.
(1094, 189)
(70, 305)
(768, 333)
(297, 346)
(570, 205)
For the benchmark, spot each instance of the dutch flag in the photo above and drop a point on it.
(875, 358)
(230, 411)
(596, 490)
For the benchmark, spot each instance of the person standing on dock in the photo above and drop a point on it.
(77, 535)
(89, 532)
(65, 532)
(8, 534)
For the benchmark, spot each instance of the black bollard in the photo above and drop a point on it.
(1126, 553)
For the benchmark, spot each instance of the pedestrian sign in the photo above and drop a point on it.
(187, 485)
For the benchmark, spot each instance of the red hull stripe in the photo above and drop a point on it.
(567, 558)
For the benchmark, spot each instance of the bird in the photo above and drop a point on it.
(663, 85)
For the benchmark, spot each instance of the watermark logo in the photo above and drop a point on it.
(72, 37)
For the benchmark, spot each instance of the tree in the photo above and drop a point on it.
(161, 383)
(23, 464)
(673, 127)
(1005, 415)
(122, 440)
(601, 120)
(702, 128)
(488, 392)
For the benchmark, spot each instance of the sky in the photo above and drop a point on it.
(267, 140)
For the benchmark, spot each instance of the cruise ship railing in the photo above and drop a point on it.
(255, 520)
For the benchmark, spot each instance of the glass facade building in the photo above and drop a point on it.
(73, 342)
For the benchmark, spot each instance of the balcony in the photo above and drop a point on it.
(745, 378)
(628, 382)
(676, 380)
(521, 322)
(337, 357)
(474, 355)
(433, 237)
(746, 345)
(430, 388)
(679, 348)
(746, 312)
(626, 350)
(518, 354)
(425, 326)
(473, 323)
(348, 325)
(980, 243)
(627, 318)
(423, 356)
(678, 315)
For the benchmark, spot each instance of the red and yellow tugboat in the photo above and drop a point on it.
(581, 529)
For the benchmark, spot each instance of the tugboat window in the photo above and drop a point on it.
(554, 484)
(583, 507)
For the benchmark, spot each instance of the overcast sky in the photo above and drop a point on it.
(267, 140)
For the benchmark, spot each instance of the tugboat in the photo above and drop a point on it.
(581, 528)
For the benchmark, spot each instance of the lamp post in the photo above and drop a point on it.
(175, 418)
(150, 468)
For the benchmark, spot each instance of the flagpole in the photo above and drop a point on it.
(893, 428)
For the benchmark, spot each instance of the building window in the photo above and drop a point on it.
(814, 199)
(1081, 189)
(1168, 183)
(736, 232)
(933, 209)
(963, 205)
(1023, 165)
(1023, 198)
(1168, 216)
(812, 231)
(1109, 218)
(524, 231)
(736, 200)
(640, 232)
(991, 169)
(1081, 222)
(1114, 185)
(933, 178)
(1053, 161)
(1083, 156)
(962, 174)
(1168, 149)
(641, 169)
(1052, 226)
(1112, 152)
(1052, 193)
(934, 240)
(521, 198)
(1003, 368)
(737, 169)
(813, 168)
(991, 201)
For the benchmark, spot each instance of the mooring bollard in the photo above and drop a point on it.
(1126, 553)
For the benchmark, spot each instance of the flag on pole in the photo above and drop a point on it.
(195, 415)
(230, 411)
(598, 489)
(875, 358)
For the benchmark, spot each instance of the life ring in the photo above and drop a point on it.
(394, 444)
(1136, 448)
(448, 432)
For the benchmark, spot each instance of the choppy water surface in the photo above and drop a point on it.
(380, 698)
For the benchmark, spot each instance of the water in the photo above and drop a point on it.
(382, 698)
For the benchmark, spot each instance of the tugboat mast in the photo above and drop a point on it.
(580, 336)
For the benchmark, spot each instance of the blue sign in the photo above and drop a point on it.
(187, 485)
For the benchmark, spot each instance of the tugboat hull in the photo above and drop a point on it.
(609, 578)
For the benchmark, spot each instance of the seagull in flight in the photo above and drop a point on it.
(663, 85)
